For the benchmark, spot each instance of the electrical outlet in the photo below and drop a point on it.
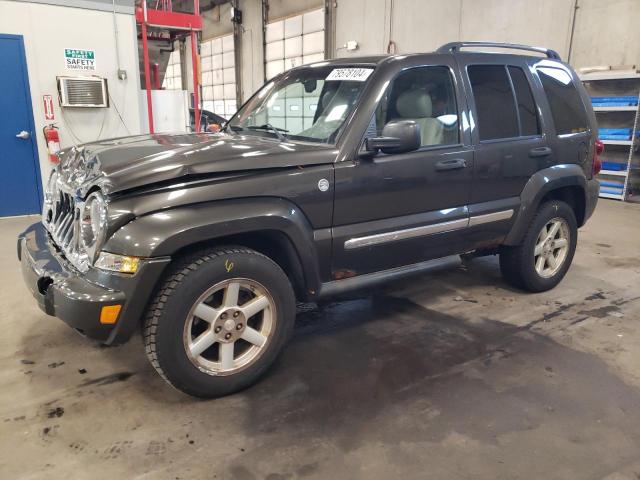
(351, 45)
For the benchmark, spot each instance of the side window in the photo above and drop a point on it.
(526, 105)
(425, 95)
(495, 107)
(566, 105)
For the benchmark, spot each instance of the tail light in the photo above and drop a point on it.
(597, 151)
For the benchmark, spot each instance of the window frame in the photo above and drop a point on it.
(423, 148)
(474, 107)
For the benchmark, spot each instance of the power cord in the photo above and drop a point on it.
(115, 106)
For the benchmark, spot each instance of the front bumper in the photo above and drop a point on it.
(78, 298)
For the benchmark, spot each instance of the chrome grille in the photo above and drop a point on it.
(61, 217)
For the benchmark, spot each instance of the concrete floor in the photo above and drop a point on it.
(449, 375)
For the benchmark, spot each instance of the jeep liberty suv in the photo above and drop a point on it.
(332, 177)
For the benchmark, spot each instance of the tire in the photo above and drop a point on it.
(520, 264)
(205, 283)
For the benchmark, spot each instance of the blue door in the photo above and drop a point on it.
(19, 168)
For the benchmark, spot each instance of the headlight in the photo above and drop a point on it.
(93, 224)
(117, 263)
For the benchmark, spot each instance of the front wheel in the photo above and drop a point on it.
(219, 321)
(543, 258)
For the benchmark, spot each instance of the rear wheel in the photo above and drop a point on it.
(543, 258)
(219, 321)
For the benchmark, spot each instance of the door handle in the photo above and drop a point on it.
(540, 152)
(453, 164)
(23, 135)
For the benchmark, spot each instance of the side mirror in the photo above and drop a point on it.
(398, 136)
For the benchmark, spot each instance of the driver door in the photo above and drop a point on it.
(399, 209)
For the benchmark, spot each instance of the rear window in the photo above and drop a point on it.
(566, 105)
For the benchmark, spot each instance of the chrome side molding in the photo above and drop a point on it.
(386, 237)
(490, 217)
(379, 238)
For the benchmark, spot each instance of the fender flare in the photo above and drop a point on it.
(540, 184)
(163, 233)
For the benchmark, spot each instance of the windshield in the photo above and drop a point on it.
(309, 104)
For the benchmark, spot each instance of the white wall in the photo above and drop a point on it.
(602, 38)
(47, 31)
(217, 21)
(286, 8)
(606, 31)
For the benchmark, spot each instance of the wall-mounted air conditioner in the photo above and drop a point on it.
(83, 92)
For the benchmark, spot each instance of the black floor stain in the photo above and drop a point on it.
(55, 412)
(384, 371)
(107, 379)
(596, 296)
(600, 312)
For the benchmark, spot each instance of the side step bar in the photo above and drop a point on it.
(368, 280)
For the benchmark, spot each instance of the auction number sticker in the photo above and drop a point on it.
(350, 74)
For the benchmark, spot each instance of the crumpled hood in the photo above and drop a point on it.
(129, 162)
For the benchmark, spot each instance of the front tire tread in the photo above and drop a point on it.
(180, 271)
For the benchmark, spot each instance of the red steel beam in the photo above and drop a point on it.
(196, 96)
(171, 20)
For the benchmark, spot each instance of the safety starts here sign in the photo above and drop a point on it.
(77, 59)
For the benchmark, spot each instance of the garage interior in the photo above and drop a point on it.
(449, 374)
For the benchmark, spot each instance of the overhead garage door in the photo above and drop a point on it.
(217, 63)
(294, 41)
(173, 75)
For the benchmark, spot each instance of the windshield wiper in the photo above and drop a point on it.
(267, 126)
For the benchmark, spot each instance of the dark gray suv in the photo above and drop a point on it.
(332, 177)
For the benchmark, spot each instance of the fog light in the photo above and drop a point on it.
(109, 314)
(117, 263)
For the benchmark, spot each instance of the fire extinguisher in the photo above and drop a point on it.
(52, 138)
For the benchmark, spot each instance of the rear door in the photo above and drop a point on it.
(398, 209)
(508, 138)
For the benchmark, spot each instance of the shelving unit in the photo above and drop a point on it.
(620, 183)
(614, 109)
(613, 173)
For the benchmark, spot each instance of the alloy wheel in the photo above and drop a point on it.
(552, 247)
(229, 326)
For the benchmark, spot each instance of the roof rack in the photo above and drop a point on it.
(454, 47)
